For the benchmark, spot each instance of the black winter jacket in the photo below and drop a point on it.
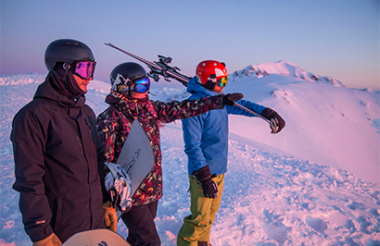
(57, 154)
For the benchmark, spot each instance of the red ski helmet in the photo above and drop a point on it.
(211, 72)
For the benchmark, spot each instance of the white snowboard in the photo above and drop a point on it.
(136, 157)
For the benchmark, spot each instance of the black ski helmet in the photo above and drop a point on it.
(129, 71)
(66, 51)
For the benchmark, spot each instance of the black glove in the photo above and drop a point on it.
(277, 120)
(209, 187)
(230, 99)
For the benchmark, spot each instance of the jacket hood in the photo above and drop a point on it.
(46, 90)
(194, 87)
(117, 98)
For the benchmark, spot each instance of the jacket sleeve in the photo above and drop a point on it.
(192, 135)
(28, 139)
(168, 112)
(107, 132)
(99, 150)
(250, 105)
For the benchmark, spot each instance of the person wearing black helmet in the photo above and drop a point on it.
(57, 150)
(128, 101)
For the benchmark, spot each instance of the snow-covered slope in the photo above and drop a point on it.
(315, 183)
(325, 121)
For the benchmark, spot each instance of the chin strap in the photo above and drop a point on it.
(209, 85)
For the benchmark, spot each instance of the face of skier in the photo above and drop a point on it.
(83, 72)
(82, 83)
(139, 95)
(218, 88)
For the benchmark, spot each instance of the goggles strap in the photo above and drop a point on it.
(66, 66)
(120, 80)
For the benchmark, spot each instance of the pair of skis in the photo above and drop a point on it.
(162, 68)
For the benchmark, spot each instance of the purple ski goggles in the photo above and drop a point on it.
(84, 69)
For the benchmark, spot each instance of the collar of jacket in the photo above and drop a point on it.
(45, 90)
(116, 97)
(194, 87)
(129, 105)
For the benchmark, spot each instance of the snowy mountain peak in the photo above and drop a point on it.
(284, 68)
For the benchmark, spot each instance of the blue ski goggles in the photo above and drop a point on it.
(122, 84)
(141, 85)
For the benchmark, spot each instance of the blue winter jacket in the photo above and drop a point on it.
(206, 135)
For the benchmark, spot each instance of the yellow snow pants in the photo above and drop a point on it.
(196, 227)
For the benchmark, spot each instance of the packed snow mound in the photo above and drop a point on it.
(22, 79)
(283, 68)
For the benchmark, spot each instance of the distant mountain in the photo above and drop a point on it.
(282, 68)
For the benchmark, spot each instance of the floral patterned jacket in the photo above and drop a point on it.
(115, 122)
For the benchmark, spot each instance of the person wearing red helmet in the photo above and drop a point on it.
(212, 75)
(206, 146)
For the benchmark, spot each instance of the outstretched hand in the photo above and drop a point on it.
(277, 123)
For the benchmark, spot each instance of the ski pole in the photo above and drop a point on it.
(272, 123)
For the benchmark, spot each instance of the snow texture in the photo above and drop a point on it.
(315, 183)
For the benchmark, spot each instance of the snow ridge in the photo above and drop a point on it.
(284, 68)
